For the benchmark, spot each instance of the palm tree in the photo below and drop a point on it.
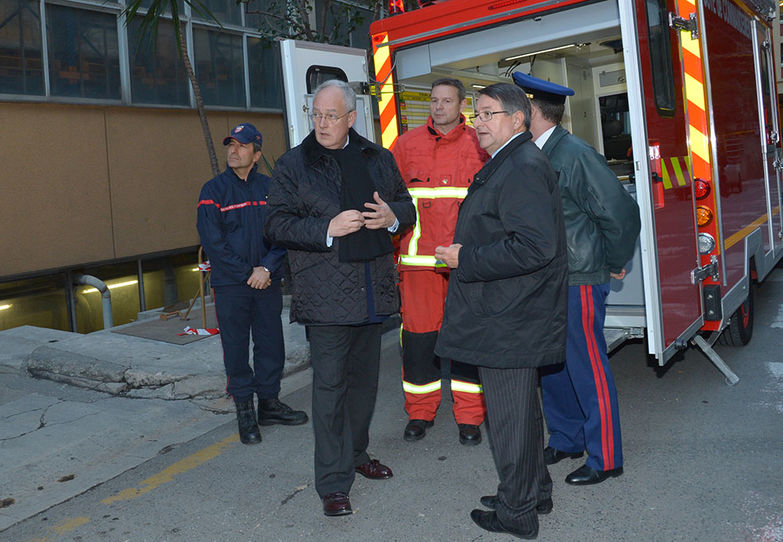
(169, 10)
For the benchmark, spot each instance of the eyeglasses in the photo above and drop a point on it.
(330, 118)
(486, 116)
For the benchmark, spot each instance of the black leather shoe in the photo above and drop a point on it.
(491, 502)
(585, 476)
(374, 470)
(553, 455)
(336, 504)
(272, 411)
(246, 420)
(469, 435)
(489, 522)
(416, 429)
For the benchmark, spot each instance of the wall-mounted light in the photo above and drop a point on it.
(5, 307)
(478, 87)
(542, 51)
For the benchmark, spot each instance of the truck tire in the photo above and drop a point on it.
(740, 328)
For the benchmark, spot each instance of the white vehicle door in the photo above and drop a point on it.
(305, 66)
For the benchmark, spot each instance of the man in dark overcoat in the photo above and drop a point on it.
(506, 304)
(602, 224)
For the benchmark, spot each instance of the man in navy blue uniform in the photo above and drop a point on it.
(246, 273)
(602, 224)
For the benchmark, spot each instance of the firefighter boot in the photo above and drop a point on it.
(272, 411)
(248, 426)
(469, 434)
(416, 429)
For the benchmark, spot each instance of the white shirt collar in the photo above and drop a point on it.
(506, 143)
(543, 138)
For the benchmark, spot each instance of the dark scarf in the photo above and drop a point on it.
(357, 189)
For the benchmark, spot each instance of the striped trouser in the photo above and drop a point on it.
(516, 437)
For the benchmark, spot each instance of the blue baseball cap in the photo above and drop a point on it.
(244, 133)
(538, 89)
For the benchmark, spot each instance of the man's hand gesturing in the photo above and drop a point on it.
(381, 215)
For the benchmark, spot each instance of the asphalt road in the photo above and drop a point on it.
(703, 462)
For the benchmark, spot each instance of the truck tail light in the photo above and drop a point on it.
(703, 215)
(706, 243)
(701, 188)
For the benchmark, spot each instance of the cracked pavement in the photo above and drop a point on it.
(77, 410)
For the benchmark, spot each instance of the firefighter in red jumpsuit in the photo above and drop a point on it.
(437, 162)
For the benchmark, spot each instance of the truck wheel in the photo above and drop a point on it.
(740, 328)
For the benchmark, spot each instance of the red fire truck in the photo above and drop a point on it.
(680, 97)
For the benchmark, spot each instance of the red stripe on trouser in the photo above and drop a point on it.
(217, 322)
(602, 391)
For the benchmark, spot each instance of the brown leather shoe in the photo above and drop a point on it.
(336, 504)
(374, 470)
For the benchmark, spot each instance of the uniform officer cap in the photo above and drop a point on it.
(538, 89)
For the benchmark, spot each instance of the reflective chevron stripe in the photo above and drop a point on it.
(407, 387)
(466, 387)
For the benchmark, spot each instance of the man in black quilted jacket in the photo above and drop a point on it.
(335, 201)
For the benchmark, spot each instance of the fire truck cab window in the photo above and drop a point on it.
(661, 57)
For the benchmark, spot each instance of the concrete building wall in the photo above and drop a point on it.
(83, 184)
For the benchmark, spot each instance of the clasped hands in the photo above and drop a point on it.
(260, 278)
(380, 216)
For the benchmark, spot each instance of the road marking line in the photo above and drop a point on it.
(778, 321)
(64, 527)
(776, 369)
(168, 474)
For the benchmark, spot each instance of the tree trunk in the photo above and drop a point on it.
(202, 114)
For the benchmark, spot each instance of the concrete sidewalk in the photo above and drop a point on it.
(132, 366)
(102, 403)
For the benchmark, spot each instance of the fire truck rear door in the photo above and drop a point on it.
(673, 303)
(770, 135)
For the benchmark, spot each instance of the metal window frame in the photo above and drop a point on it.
(123, 48)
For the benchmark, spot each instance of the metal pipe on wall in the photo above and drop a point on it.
(142, 296)
(70, 301)
(98, 284)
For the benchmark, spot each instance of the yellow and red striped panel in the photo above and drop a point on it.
(698, 136)
(387, 102)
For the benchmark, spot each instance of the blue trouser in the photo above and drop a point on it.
(241, 310)
(580, 398)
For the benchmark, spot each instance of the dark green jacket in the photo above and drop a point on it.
(601, 217)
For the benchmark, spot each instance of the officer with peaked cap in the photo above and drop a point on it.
(602, 225)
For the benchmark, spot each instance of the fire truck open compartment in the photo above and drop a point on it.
(580, 48)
